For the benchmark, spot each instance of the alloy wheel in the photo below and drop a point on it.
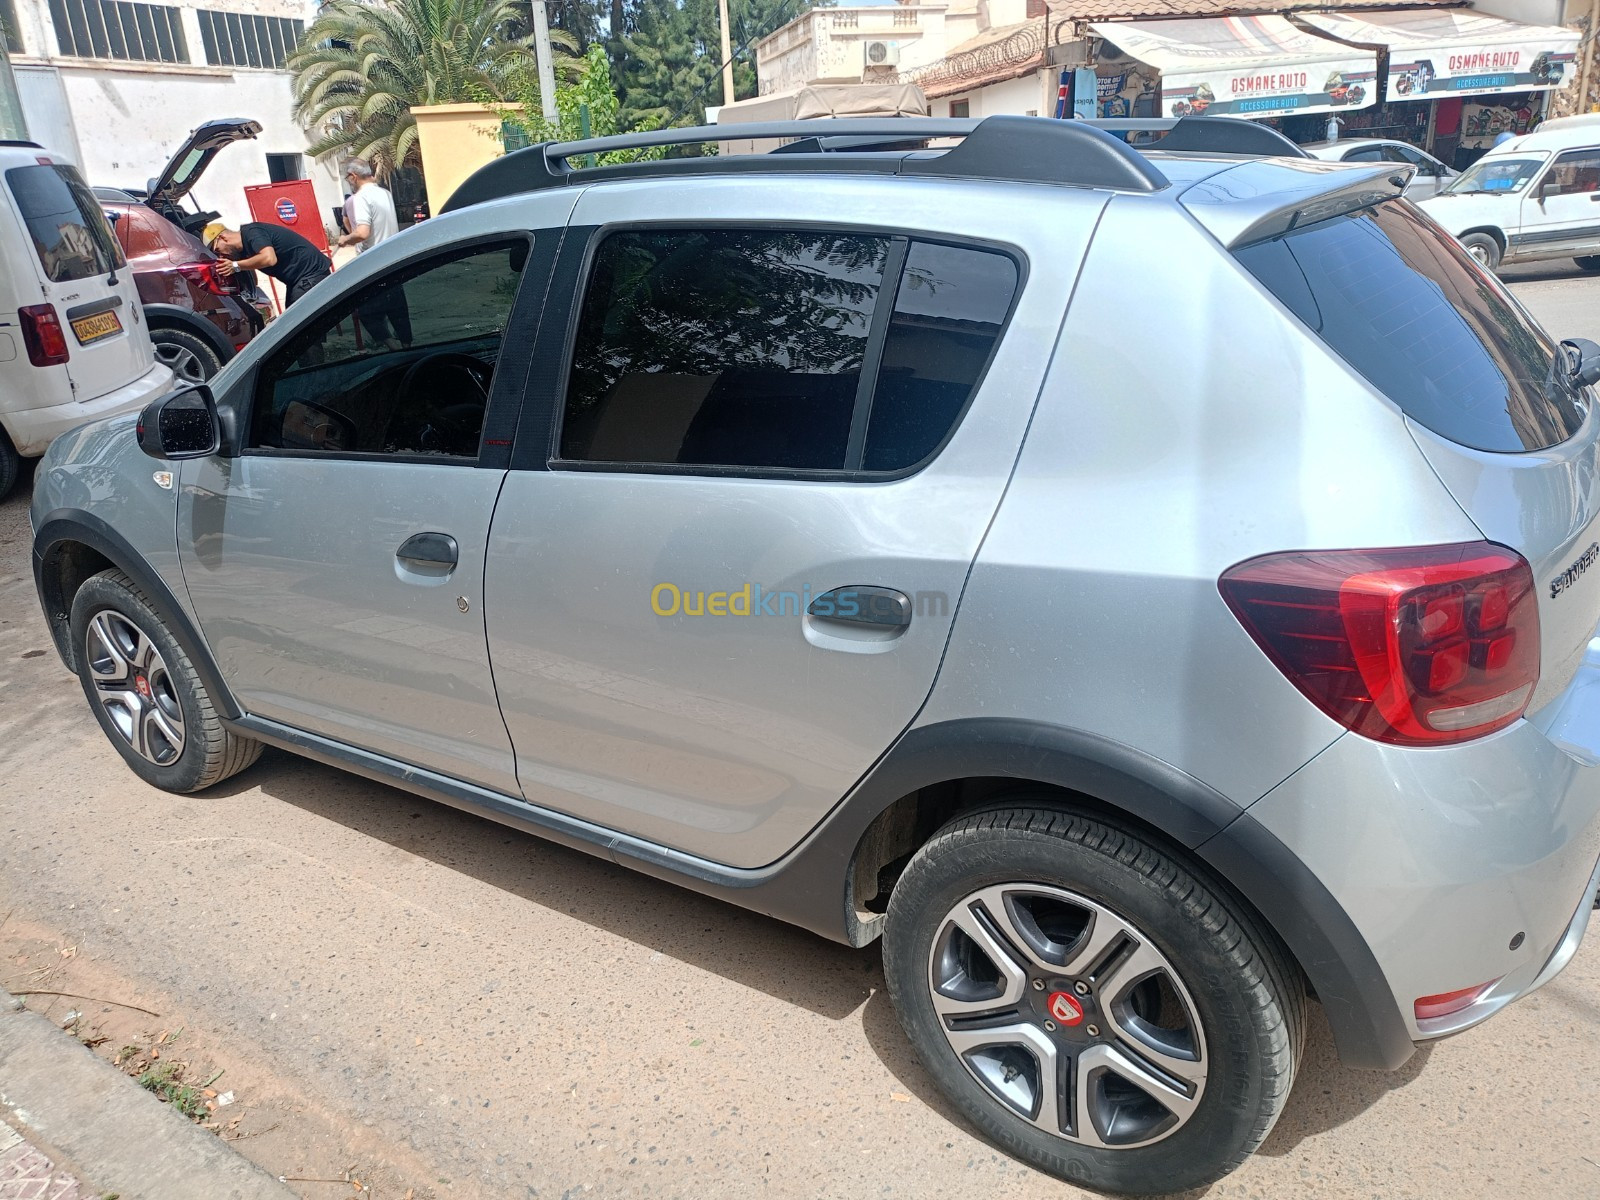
(134, 688)
(185, 363)
(1068, 1015)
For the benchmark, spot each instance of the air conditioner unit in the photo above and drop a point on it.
(880, 54)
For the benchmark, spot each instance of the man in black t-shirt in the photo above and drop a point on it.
(281, 253)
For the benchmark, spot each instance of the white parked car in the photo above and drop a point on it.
(1431, 177)
(73, 345)
(1534, 197)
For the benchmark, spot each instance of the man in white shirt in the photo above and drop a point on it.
(370, 209)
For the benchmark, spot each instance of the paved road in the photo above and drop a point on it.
(1565, 299)
(480, 1013)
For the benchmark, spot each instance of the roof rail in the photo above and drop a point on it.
(1019, 149)
(1207, 135)
(20, 142)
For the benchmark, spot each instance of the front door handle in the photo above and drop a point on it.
(860, 604)
(437, 548)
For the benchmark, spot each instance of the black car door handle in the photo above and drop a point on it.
(437, 548)
(876, 607)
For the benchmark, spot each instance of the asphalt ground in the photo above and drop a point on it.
(413, 996)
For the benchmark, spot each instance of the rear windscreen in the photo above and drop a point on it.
(1400, 301)
(65, 222)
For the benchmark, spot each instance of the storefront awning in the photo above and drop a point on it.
(1247, 66)
(1456, 51)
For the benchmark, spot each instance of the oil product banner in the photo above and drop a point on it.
(1246, 66)
(1460, 52)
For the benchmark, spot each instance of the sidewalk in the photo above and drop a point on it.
(72, 1107)
(26, 1174)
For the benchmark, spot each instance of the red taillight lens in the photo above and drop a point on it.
(1447, 1004)
(205, 275)
(42, 335)
(1419, 647)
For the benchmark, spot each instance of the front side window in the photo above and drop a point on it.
(65, 223)
(402, 367)
(747, 349)
(1573, 173)
(1400, 301)
(1505, 175)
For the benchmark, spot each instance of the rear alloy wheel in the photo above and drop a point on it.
(145, 692)
(1484, 248)
(1092, 1006)
(191, 358)
(1588, 262)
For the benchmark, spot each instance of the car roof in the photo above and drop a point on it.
(1553, 135)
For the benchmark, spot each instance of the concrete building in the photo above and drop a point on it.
(979, 58)
(116, 86)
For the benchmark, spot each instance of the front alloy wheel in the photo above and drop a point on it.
(133, 687)
(1068, 1015)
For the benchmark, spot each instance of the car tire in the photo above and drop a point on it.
(1169, 1078)
(1588, 262)
(1484, 248)
(145, 692)
(10, 465)
(191, 358)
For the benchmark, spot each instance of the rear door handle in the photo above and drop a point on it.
(862, 604)
(437, 548)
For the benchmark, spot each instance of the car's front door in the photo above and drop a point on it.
(336, 563)
(1561, 210)
(761, 411)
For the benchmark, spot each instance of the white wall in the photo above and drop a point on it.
(129, 123)
(1013, 97)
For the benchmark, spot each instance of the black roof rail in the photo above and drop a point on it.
(1020, 149)
(20, 142)
(1206, 135)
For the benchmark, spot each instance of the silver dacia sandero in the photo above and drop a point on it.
(1149, 587)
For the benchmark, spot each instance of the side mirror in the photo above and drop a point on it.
(307, 425)
(181, 424)
(1581, 358)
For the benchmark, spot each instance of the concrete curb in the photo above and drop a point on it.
(120, 1135)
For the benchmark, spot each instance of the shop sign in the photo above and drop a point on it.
(1272, 91)
(1453, 70)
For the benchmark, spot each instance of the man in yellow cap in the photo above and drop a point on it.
(281, 253)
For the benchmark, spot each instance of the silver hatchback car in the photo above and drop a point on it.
(1148, 589)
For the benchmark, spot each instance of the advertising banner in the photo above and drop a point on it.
(1458, 52)
(1247, 66)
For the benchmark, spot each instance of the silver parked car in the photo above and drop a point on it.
(1431, 177)
(1145, 589)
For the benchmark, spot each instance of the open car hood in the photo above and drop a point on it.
(195, 155)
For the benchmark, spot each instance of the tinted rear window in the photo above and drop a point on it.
(1404, 304)
(65, 223)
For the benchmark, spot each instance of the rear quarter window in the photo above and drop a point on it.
(1400, 301)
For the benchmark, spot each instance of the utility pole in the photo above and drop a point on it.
(547, 71)
(727, 54)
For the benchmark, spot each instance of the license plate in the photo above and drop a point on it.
(100, 325)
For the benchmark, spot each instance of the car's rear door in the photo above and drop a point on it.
(336, 563)
(762, 408)
(82, 274)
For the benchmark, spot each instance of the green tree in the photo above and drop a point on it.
(586, 106)
(361, 66)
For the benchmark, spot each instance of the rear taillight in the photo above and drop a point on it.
(1419, 647)
(42, 335)
(205, 275)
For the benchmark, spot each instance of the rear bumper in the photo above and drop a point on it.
(1459, 866)
(33, 429)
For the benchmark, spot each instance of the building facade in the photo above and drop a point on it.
(1447, 75)
(116, 86)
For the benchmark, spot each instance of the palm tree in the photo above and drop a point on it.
(361, 66)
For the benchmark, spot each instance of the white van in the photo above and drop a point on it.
(1534, 197)
(73, 345)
